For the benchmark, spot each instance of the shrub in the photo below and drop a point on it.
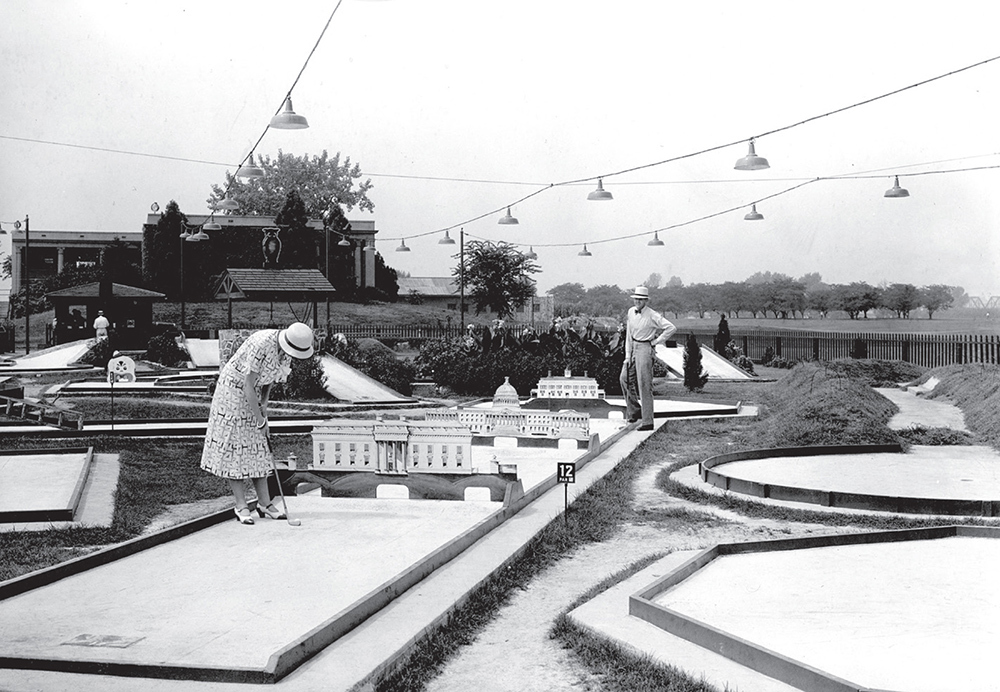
(163, 349)
(694, 377)
(306, 381)
(477, 363)
(736, 356)
(101, 352)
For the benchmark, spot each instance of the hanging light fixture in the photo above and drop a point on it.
(370, 247)
(185, 233)
(753, 215)
(600, 194)
(344, 242)
(751, 162)
(448, 240)
(402, 246)
(227, 203)
(896, 190)
(585, 252)
(531, 253)
(507, 219)
(197, 237)
(289, 119)
(656, 242)
(210, 225)
(249, 170)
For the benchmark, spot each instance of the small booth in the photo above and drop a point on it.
(129, 311)
(272, 285)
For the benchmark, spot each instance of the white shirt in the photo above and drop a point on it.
(644, 326)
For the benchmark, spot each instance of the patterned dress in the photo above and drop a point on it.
(234, 446)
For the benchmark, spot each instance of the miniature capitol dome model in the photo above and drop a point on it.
(506, 396)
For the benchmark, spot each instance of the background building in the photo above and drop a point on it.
(441, 292)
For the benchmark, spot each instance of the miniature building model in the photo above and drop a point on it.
(507, 419)
(392, 447)
(567, 387)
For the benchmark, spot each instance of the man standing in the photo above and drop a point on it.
(644, 330)
(101, 325)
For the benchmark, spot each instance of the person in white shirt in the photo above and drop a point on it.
(645, 328)
(101, 325)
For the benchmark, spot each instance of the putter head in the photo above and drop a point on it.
(294, 522)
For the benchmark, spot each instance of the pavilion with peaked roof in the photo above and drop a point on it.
(274, 285)
(128, 308)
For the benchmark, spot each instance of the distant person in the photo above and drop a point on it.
(101, 325)
(236, 441)
(644, 330)
(76, 320)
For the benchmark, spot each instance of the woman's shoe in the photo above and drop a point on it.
(243, 515)
(270, 511)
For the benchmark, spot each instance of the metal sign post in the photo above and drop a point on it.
(566, 474)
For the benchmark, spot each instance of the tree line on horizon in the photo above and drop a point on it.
(762, 295)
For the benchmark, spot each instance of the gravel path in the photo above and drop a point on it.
(515, 654)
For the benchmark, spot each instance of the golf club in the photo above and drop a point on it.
(274, 465)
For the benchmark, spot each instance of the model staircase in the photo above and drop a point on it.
(41, 413)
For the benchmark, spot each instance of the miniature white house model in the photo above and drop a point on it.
(392, 447)
(567, 387)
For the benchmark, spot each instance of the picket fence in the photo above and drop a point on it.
(927, 350)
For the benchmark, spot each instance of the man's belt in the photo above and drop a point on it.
(643, 342)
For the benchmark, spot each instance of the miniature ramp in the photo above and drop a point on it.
(717, 367)
(60, 357)
(348, 384)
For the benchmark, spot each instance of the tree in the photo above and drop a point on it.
(497, 276)
(654, 280)
(161, 251)
(568, 299)
(321, 181)
(606, 299)
(901, 299)
(937, 297)
(694, 377)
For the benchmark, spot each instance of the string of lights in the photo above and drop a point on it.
(542, 187)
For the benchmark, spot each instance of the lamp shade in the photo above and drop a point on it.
(585, 252)
(289, 119)
(656, 242)
(228, 203)
(896, 190)
(249, 170)
(197, 237)
(751, 162)
(600, 194)
(448, 240)
(402, 246)
(344, 242)
(507, 219)
(753, 215)
(531, 253)
(211, 226)
(185, 233)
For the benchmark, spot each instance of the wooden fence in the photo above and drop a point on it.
(927, 350)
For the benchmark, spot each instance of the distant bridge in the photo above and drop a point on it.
(994, 301)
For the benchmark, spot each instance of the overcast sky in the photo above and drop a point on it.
(502, 99)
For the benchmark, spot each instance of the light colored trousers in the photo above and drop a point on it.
(641, 367)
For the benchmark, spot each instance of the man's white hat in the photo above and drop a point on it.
(641, 292)
(296, 340)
